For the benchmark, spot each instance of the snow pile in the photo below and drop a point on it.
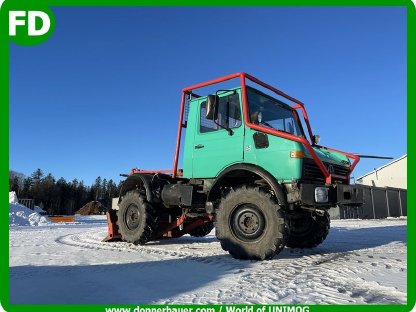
(21, 215)
(13, 198)
(39, 210)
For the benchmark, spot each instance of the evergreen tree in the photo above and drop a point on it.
(96, 189)
(16, 182)
(37, 176)
(27, 185)
(61, 197)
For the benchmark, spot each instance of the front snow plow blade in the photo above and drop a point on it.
(113, 234)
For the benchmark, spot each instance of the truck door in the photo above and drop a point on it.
(214, 148)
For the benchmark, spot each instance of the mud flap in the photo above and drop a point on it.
(113, 234)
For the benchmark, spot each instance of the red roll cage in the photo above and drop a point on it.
(298, 105)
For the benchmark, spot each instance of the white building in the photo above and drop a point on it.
(393, 174)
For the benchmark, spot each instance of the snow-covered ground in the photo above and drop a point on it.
(362, 261)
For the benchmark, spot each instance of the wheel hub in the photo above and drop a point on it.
(247, 222)
(132, 217)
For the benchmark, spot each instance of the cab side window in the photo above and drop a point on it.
(229, 114)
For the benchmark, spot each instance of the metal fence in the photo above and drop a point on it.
(29, 203)
(379, 203)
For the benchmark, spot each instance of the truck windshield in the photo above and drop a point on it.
(269, 112)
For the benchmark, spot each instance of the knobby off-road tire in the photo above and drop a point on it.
(250, 224)
(203, 230)
(307, 230)
(136, 219)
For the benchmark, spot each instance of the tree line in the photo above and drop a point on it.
(60, 196)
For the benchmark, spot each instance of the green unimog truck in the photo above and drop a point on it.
(252, 168)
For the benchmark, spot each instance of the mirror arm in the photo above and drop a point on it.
(230, 131)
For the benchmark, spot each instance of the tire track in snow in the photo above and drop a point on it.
(295, 276)
(89, 240)
(318, 278)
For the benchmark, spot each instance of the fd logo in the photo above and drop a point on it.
(19, 18)
(30, 22)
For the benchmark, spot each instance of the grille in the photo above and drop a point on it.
(311, 171)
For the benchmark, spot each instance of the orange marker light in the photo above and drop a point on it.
(297, 154)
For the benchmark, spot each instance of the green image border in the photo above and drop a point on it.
(4, 139)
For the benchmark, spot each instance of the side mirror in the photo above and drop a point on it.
(315, 139)
(212, 107)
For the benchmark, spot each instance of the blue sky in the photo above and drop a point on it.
(102, 94)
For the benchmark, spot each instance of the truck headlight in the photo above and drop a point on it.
(321, 195)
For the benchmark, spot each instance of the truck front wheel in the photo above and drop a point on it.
(136, 219)
(307, 229)
(250, 224)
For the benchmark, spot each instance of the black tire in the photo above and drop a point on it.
(136, 219)
(203, 230)
(250, 224)
(307, 229)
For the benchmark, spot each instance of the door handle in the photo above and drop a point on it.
(199, 146)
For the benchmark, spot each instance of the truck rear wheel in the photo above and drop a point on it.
(307, 229)
(136, 219)
(202, 230)
(250, 224)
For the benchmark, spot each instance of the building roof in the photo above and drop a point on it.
(379, 168)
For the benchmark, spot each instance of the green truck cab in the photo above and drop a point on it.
(251, 167)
